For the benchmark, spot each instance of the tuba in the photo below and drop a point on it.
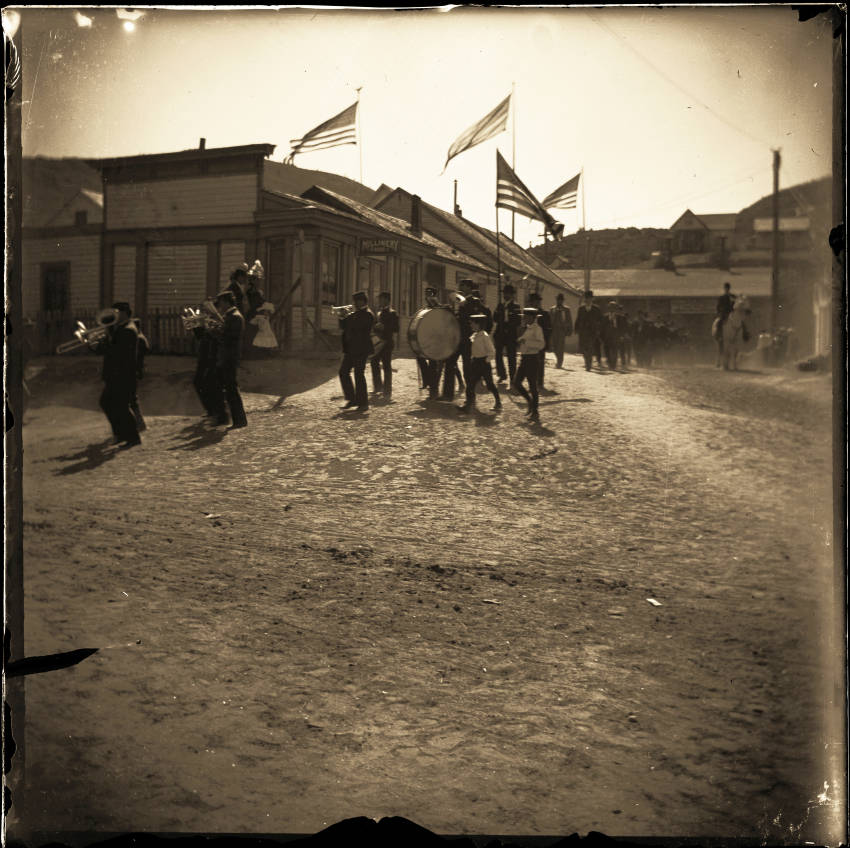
(89, 337)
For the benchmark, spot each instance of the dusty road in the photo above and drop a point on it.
(415, 613)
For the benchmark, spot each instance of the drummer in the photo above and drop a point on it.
(430, 368)
(450, 372)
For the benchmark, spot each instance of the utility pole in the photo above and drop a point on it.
(775, 306)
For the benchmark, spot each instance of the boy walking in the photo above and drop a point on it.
(530, 346)
(482, 351)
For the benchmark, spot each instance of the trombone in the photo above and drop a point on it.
(90, 336)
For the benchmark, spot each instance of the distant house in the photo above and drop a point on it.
(692, 233)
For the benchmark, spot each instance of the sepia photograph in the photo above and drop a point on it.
(425, 425)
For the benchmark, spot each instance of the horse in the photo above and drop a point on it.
(735, 333)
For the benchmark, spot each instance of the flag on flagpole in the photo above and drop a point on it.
(341, 129)
(487, 127)
(564, 197)
(512, 193)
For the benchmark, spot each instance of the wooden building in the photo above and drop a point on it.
(692, 233)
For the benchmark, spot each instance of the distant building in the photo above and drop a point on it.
(692, 233)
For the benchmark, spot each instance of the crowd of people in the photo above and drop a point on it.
(512, 337)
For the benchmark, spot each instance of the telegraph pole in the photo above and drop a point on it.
(775, 306)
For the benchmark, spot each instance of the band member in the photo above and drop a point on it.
(507, 320)
(546, 325)
(120, 362)
(450, 372)
(481, 352)
(253, 301)
(588, 327)
(624, 337)
(561, 320)
(531, 345)
(386, 329)
(228, 349)
(142, 350)
(725, 305)
(206, 375)
(239, 286)
(356, 349)
(430, 368)
(480, 308)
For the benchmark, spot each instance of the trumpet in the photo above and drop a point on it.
(343, 311)
(90, 336)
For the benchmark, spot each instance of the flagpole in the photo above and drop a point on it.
(498, 256)
(586, 237)
(359, 136)
(513, 151)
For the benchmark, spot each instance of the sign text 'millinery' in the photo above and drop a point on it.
(378, 246)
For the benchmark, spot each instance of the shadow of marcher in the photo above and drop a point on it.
(353, 414)
(91, 457)
(199, 436)
(578, 400)
(484, 419)
(538, 429)
(436, 409)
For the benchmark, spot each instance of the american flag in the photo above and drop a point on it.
(490, 125)
(565, 196)
(341, 129)
(511, 193)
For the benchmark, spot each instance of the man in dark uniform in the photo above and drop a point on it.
(611, 335)
(356, 349)
(386, 329)
(463, 312)
(206, 376)
(725, 305)
(507, 320)
(545, 323)
(120, 362)
(561, 319)
(228, 350)
(588, 327)
(143, 348)
(239, 286)
(430, 368)
(253, 302)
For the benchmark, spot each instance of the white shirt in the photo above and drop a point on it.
(482, 345)
(532, 340)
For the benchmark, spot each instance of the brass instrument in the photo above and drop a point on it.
(343, 311)
(206, 317)
(89, 337)
(456, 298)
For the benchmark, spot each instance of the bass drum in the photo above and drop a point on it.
(434, 333)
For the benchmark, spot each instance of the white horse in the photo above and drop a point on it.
(734, 330)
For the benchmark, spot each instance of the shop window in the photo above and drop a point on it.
(408, 296)
(331, 277)
(55, 287)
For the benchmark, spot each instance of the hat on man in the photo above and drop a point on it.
(387, 295)
(359, 295)
(466, 283)
(530, 310)
(123, 306)
(560, 296)
(508, 289)
(430, 290)
(478, 317)
(534, 296)
(588, 293)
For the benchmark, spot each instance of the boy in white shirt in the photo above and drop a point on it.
(481, 352)
(530, 345)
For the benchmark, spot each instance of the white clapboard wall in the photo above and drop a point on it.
(231, 255)
(177, 275)
(83, 255)
(191, 202)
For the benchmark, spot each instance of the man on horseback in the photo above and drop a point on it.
(725, 305)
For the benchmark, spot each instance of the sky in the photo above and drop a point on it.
(662, 109)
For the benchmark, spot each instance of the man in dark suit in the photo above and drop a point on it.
(356, 349)
(206, 376)
(120, 363)
(463, 311)
(588, 327)
(507, 320)
(239, 287)
(545, 323)
(429, 368)
(561, 320)
(386, 329)
(228, 350)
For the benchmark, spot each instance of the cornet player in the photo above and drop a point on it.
(356, 348)
(120, 351)
(228, 349)
(386, 329)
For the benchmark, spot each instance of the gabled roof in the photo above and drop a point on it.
(289, 179)
(514, 257)
(713, 222)
(49, 185)
(391, 224)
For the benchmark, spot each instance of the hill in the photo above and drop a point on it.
(626, 247)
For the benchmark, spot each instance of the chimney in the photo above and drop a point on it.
(416, 215)
(203, 144)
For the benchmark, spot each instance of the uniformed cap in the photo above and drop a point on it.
(534, 296)
(430, 290)
(560, 296)
(228, 296)
(530, 310)
(588, 293)
(123, 306)
(387, 295)
(612, 303)
(508, 289)
(360, 295)
(478, 317)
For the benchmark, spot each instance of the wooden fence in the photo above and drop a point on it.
(163, 329)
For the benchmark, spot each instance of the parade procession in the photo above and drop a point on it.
(425, 426)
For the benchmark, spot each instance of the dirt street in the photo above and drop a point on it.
(411, 612)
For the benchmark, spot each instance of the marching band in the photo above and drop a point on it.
(441, 335)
